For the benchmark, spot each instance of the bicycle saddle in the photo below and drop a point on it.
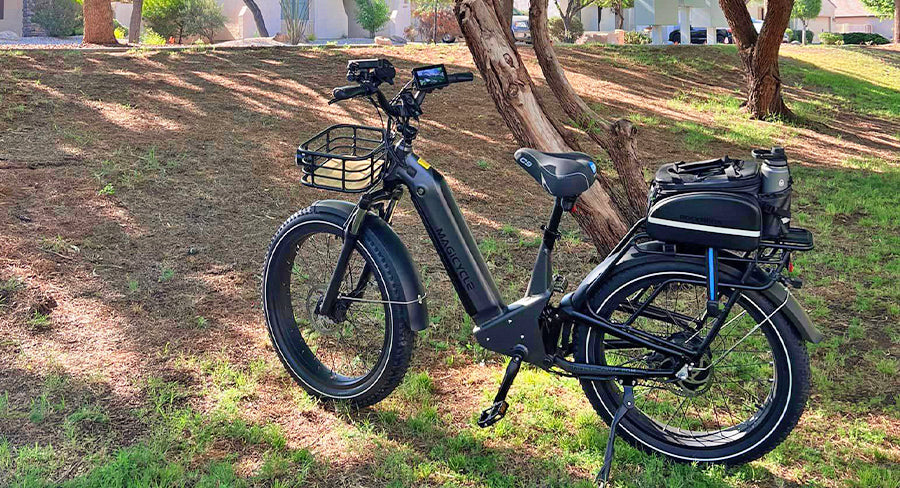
(561, 174)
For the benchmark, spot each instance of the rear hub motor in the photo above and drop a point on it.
(698, 377)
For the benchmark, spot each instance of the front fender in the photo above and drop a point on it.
(407, 274)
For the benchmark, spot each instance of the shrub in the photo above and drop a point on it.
(558, 30)
(181, 18)
(795, 36)
(166, 17)
(204, 18)
(422, 27)
(150, 38)
(637, 38)
(295, 15)
(121, 31)
(831, 39)
(57, 17)
(372, 15)
(863, 38)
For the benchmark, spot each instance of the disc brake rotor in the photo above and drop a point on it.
(319, 323)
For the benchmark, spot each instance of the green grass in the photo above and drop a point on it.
(205, 431)
(726, 122)
(171, 455)
(860, 79)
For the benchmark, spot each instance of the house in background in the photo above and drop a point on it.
(661, 17)
(840, 16)
(852, 16)
(823, 23)
(328, 19)
(15, 17)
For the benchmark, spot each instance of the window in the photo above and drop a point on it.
(293, 9)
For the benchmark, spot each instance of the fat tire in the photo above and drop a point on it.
(774, 434)
(394, 364)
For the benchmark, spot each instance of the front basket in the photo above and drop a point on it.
(343, 157)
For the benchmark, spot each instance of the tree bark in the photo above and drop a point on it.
(620, 16)
(257, 17)
(506, 12)
(134, 25)
(759, 54)
(616, 138)
(896, 21)
(98, 22)
(513, 92)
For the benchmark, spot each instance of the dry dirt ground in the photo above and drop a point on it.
(138, 192)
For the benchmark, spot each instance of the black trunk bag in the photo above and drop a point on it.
(715, 203)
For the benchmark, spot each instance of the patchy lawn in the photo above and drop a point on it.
(139, 191)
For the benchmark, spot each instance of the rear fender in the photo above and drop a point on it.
(776, 293)
(407, 274)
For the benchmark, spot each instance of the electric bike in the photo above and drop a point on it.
(685, 339)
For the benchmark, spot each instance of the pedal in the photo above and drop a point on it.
(493, 414)
(560, 283)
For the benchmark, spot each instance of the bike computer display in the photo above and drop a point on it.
(430, 77)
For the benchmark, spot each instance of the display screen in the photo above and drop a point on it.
(428, 77)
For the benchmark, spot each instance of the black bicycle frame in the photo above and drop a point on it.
(514, 329)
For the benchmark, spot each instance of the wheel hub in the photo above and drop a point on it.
(319, 322)
(697, 378)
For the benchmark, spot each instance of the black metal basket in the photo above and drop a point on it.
(343, 157)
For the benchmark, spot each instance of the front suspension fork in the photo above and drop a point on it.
(352, 230)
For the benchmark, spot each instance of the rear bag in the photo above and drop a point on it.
(715, 203)
(708, 219)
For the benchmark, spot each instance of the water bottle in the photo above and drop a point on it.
(775, 194)
(775, 173)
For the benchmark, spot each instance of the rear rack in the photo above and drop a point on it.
(796, 239)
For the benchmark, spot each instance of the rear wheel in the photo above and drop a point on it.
(361, 355)
(741, 401)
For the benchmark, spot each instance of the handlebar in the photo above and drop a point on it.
(460, 77)
(348, 92)
(352, 91)
(406, 104)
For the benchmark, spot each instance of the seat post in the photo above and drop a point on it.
(542, 274)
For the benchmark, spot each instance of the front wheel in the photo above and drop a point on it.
(739, 403)
(362, 353)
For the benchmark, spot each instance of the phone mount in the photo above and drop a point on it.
(371, 71)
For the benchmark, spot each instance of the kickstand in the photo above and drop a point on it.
(495, 412)
(602, 478)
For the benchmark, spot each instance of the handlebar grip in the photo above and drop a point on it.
(459, 77)
(347, 92)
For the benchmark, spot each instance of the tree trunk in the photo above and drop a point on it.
(616, 138)
(506, 12)
(257, 17)
(896, 21)
(620, 16)
(759, 54)
(513, 92)
(98, 22)
(134, 26)
(803, 41)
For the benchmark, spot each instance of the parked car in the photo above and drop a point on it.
(521, 29)
(698, 36)
(757, 24)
